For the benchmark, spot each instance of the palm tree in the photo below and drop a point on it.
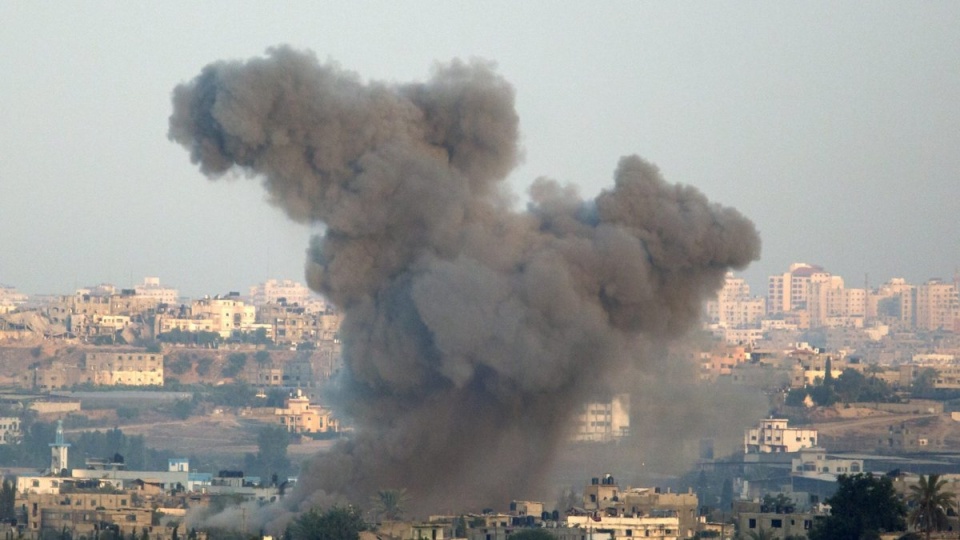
(930, 504)
(388, 503)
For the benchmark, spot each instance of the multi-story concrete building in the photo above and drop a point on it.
(604, 421)
(228, 315)
(291, 324)
(739, 336)
(815, 461)
(721, 360)
(299, 416)
(604, 498)
(937, 306)
(83, 511)
(168, 323)
(777, 526)
(657, 502)
(825, 298)
(733, 307)
(789, 291)
(151, 288)
(135, 367)
(628, 528)
(99, 311)
(774, 436)
(272, 291)
(58, 374)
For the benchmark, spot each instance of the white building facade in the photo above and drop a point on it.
(775, 436)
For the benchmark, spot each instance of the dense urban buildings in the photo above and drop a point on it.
(818, 350)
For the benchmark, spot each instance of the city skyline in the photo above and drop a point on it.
(830, 126)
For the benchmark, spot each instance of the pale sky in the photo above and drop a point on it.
(834, 126)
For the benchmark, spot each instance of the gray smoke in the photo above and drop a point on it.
(471, 331)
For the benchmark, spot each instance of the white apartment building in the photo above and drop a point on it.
(733, 307)
(789, 291)
(628, 528)
(811, 297)
(151, 288)
(272, 290)
(227, 315)
(815, 462)
(166, 324)
(825, 298)
(774, 436)
(604, 421)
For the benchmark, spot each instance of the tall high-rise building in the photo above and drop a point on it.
(733, 307)
(790, 291)
(937, 305)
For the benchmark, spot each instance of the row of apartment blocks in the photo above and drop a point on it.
(104, 311)
(230, 317)
(112, 366)
(807, 296)
(101, 367)
(801, 365)
(106, 496)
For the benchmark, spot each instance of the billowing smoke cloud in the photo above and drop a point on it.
(471, 331)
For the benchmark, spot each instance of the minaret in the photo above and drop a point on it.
(58, 452)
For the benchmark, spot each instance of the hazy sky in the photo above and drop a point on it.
(834, 126)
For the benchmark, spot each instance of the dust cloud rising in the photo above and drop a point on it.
(472, 331)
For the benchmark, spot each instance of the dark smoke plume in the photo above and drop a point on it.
(471, 331)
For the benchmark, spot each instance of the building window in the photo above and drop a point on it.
(776, 523)
(752, 524)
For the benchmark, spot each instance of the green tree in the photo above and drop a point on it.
(862, 507)
(180, 365)
(271, 457)
(929, 504)
(777, 504)
(852, 387)
(338, 523)
(128, 413)
(182, 408)
(388, 503)
(760, 534)
(235, 364)
(823, 394)
(203, 366)
(796, 397)
(923, 383)
(262, 358)
(8, 494)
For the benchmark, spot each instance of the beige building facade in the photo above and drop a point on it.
(132, 367)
